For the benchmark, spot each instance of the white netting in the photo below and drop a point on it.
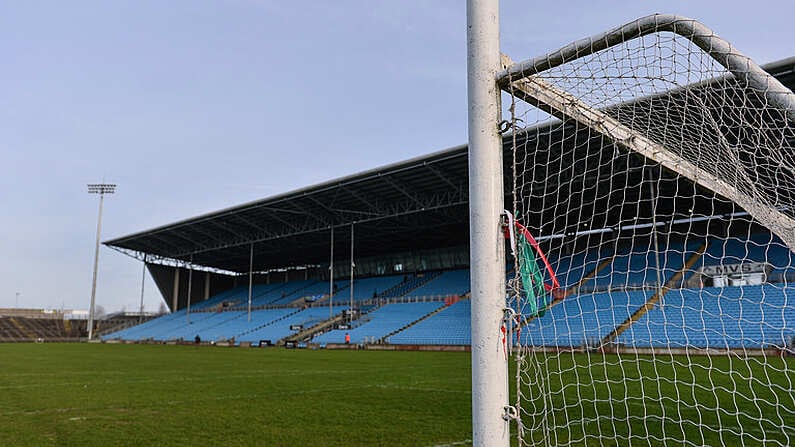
(662, 192)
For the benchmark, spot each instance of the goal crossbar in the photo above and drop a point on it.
(722, 51)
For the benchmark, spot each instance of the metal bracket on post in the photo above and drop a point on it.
(509, 413)
(507, 222)
(512, 317)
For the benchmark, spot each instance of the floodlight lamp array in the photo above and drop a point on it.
(101, 188)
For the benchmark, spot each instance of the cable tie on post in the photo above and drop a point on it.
(510, 231)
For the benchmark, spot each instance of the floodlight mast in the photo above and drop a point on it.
(101, 189)
(490, 426)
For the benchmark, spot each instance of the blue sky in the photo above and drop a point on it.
(192, 106)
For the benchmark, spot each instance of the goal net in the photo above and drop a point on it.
(653, 166)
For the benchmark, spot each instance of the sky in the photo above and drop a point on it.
(191, 106)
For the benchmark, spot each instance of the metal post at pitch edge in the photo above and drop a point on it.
(190, 286)
(331, 278)
(250, 278)
(101, 189)
(353, 266)
(143, 283)
(487, 257)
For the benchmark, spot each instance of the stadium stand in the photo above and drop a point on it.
(410, 254)
(27, 329)
(614, 284)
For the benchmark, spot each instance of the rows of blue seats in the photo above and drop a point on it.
(229, 324)
(730, 317)
(638, 266)
(233, 295)
(451, 326)
(235, 327)
(280, 293)
(208, 325)
(381, 322)
(571, 268)
(142, 331)
(582, 319)
(369, 288)
(451, 282)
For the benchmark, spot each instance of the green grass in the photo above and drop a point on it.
(105, 395)
(662, 400)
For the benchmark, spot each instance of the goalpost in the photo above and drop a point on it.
(654, 174)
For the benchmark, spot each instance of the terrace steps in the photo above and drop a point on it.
(310, 332)
(23, 329)
(9, 331)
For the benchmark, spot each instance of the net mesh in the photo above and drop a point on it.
(661, 187)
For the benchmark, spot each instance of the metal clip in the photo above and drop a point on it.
(509, 413)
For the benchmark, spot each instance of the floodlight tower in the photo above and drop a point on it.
(101, 189)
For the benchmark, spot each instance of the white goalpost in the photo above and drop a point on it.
(652, 238)
(487, 258)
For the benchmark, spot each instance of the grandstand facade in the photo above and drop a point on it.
(713, 269)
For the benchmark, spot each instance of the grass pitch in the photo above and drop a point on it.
(105, 395)
(139, 395)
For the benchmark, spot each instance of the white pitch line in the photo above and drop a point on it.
(149, 404)
(464, 442)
